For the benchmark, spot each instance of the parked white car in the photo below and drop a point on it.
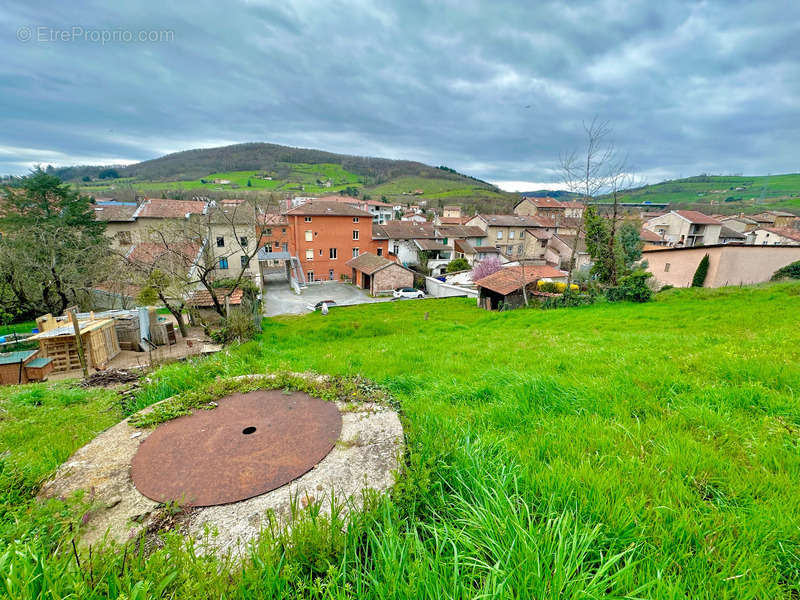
(408, 293)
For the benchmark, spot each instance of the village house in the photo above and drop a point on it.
(232, 237)
(325, 235)
(507, 232)
(474, 254)
(414, 217)
(119, 220)
(503, 288)
(378, 275)
(550, 208)
(686, 228)
(740, 223)
(776, 218)
(451, 215)
(731, 236)
(651, 238)
(129, 223)
(381, 212)
(775, 236)
(729, 264)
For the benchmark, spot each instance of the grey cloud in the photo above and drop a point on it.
(496, 89)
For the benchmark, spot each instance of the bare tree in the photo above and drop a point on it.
(240, 226)
(596, 170)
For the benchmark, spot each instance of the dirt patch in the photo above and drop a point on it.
(366, 456)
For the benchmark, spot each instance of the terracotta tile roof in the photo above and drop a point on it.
(274, 219)
(148, 253)
(539, 233)
(454, 220)
(460, 231)
(328, 208)
(160, 208)
(430, 245)
(369, 263)
(113, 212)
(696, 217)
(787, 232)
(650, 236)
(202, 298)
(517, 221)
(510, 279)
(464, 246)
(408, 230)
(487, 250)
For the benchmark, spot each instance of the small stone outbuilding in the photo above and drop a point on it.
(503, 289)
(379, 275)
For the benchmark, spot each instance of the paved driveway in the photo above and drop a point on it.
(279, 299)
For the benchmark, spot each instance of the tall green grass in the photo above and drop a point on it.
(612, 450)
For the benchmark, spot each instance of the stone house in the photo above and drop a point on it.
(503, 288)
(379, 275)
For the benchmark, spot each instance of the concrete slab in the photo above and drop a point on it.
(279, 299)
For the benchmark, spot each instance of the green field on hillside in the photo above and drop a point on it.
(725, 193)
(615, 450)
(298, 178)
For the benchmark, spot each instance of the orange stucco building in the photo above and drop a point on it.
(325, 235)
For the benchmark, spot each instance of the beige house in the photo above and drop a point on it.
(550, 208)
(740, 223)
(728, 264)
(686, 228)
(775, 236)
(128, 223)
(776, 218)
(231, 238)
(507, 232)
(119, 220)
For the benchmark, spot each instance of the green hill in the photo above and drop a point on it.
(270, 167)
(616, 450)
(724, 194)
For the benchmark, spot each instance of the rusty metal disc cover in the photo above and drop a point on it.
(250, 444)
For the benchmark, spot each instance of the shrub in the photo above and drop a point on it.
(631, 288)
(666, 287)
(702, 271)
(555, 287)
(568, 299)
(791, 271)
(457, 264)
(240, 326)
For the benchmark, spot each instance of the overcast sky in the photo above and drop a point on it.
(494, 89)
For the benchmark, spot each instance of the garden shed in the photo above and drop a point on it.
(57, 341)
(503, 289)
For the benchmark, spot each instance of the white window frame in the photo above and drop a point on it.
(355, 235)
(310, 254)
(309, 235)
(307, 219)
(333, 253)
(499, 234)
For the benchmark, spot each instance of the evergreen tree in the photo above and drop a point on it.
(700, 274)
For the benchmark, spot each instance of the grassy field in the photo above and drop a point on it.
(22, 327)
(616, 450)
(297, 177)
(725, 193)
